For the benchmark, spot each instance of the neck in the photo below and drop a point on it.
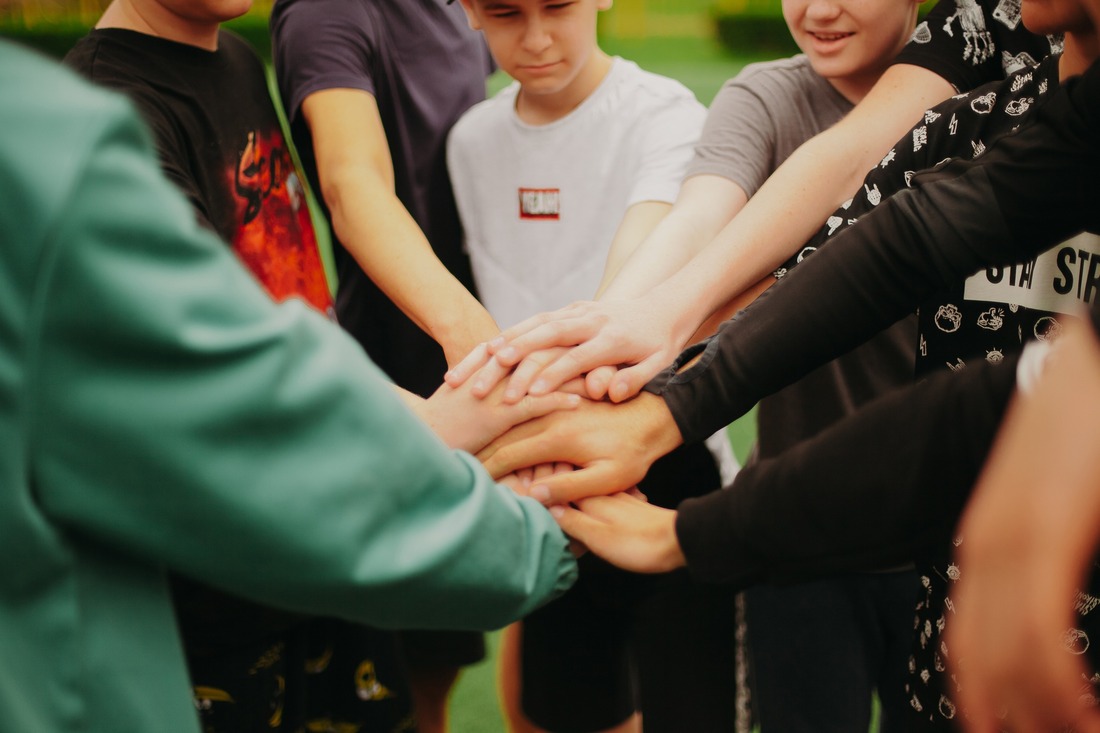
(1081, 49)
(542, 109)
(154, 19)
(855, 88)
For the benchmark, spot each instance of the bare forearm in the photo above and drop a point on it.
(790, 207)
(384, 239)
(357, 183)
(704, 206)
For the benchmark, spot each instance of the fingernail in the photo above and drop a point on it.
(540, 493)
(573, 400)
(539, 387)
(557, 510)
(511, 395)
(496, 343)
(479, 386)
(506, 354)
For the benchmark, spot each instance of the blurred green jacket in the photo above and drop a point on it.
(158, 412)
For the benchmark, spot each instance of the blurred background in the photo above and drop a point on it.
(700, 42)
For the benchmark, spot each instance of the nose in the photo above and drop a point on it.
(536, 35)
(822, 10)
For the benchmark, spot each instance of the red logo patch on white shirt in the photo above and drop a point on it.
(539, 203)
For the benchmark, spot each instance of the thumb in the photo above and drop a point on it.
(471, 363)
(597, 480)
(629, 381)
(596, 381)
(580, 527)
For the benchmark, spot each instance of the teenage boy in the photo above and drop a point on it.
(371, 89)
(557, 179)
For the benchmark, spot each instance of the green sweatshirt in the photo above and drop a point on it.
(158, 412)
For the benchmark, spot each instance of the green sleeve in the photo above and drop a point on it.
(178, 414)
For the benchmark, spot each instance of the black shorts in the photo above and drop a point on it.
(323, 674)
(617, 643)
(355, 679)
(428, 649)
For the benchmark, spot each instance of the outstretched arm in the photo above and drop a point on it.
(826, 505)
(1027, 192)
(357, 183)
(663, 294)
(217, 434)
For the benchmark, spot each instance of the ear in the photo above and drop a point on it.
(606, 4)
(471, 14)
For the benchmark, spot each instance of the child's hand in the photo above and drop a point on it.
(612, 447)
(619, 344)
(469, 423)
(625, 530)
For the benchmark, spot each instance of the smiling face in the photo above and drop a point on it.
(850, 42)
(548, 46)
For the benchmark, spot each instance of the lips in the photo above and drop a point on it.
(827, 37)
(543, 68)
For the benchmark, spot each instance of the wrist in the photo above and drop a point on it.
(672, 553)
(461, 329)
(681, 311)
(661, 434)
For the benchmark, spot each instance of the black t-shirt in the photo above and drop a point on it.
(974, 42)
(219, 139)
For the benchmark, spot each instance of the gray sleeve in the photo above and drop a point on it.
(739, 137)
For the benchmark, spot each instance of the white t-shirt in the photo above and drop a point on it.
(541, 204)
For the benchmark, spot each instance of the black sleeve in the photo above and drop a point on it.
(869, 493)
(1027, 192)
(972, 45)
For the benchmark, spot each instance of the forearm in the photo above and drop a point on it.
(703, 207)
(386, 242)
(641, 221)
(794, 201)
(869, 493)
(206, 405)
(1029, 192)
